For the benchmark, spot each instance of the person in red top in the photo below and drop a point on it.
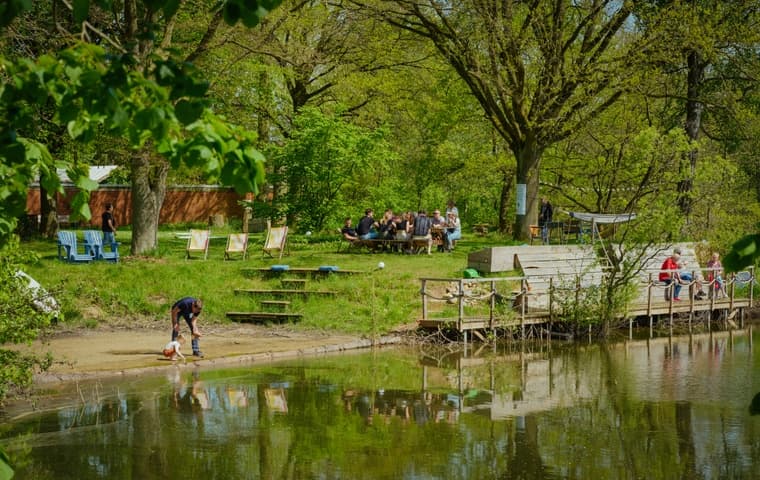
(669, 274)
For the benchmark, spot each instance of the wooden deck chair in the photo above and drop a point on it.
(67, 248)
(236, 243)
(198, 242)
(277, 239)
(93, 244)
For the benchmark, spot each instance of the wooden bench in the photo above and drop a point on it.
(373, 244)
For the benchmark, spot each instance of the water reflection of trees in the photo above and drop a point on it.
(657, 409)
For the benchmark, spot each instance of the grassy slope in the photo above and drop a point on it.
(141, 290)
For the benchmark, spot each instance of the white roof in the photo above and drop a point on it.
(97, 173)
(603, 217)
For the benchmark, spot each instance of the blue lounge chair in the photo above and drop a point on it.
(67, 248)
(93, 242)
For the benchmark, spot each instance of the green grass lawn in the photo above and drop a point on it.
(142, 289)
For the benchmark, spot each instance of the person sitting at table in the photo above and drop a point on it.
(349, 233)
(439, 229)
(367, 228)
(421, 232)
(403, 227)
(387, 226)
(453, 230)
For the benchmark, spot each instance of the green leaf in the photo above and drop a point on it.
(187, 112)
(170, 8)
(81, 10)
(232, 12)
(743, 253)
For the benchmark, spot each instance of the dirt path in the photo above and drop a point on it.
(108, 351)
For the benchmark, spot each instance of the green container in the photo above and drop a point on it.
(471, 273)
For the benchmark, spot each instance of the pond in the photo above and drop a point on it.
(665, 408)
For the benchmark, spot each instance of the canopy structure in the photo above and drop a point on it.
(596, 219)
(600, 218)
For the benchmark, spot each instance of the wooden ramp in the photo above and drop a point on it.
(502, 259)
(561, 267)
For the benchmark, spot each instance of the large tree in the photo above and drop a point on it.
(539, 69)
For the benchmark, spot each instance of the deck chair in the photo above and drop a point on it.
(277, 240)
(198, 242)
(67, 248)
(236, 243)
(93, 244)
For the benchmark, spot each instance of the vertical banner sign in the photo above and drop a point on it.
(520, 200)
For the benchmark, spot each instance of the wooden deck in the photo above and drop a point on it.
(510, 302)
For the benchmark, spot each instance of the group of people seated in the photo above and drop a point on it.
(673, 271)
(408, 229)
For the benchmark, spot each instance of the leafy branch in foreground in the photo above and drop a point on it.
(92, 91)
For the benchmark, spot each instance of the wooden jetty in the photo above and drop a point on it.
(551, 277)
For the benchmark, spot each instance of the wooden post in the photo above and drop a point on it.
(551, 299)
(461, 304)
(524, 291)
(493, 304)
(424, 300)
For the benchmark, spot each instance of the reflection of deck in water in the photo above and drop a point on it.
(552, 277)
(524, 383)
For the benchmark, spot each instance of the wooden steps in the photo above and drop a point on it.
(253, 291)
(279, 305)
(258, 317)
(301, 272)
(294, 283)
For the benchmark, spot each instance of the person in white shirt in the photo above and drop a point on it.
(172, 349)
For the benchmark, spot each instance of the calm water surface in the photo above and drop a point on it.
(658, 409)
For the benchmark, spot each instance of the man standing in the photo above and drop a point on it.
(108, 226)
(545, 218)
(188, 308)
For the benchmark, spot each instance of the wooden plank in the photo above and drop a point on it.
(301, 271)
(250, 291)
(263, 316)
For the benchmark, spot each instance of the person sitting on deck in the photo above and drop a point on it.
(686, 277)
(349, 233)
(367, 228)
(715, 274)
(669, 274)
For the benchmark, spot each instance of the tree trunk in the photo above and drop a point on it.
(148, 192)
(506, 189)
(528, 156)
(48, 214)
(694, 109)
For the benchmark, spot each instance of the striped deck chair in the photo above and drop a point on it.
(198, 242)
(277, 240)
(236, 243)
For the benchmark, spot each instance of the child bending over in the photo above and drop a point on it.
(172, 349)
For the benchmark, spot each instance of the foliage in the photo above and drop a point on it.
(744, 252)
(168, 110)
(19, 322)
(321, 160)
